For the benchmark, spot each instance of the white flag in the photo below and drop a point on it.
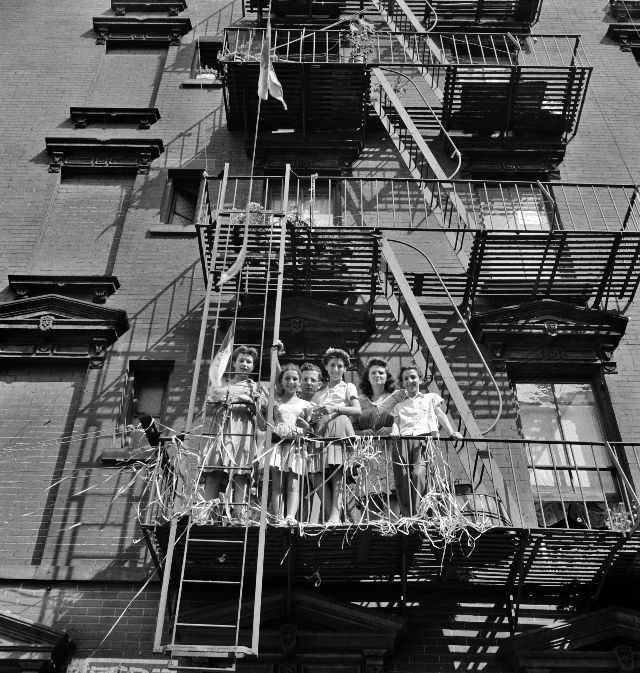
(268, 82)
(221, 359)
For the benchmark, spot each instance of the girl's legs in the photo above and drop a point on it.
(335, 494)
(293, 495)
(401, 475)
(276, 493)
(241, 495)
(320, 488)
(418, 475)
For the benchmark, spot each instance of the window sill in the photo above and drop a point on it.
(202, 84)
(171, 230)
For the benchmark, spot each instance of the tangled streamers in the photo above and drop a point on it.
(369, 485)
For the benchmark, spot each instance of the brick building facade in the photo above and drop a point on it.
(98, 236)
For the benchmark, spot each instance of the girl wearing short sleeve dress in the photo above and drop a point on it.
(289, 454)
(334, 407)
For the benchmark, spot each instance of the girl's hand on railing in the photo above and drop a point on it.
(455, 435)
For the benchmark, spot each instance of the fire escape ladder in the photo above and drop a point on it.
(200, 555)
(482, 473)
(447, 207)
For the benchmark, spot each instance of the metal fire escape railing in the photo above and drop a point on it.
(572, 240)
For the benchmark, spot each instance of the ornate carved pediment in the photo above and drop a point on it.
(549, 329)
(314, 628)
(309, 326)
(609, 638)
(56, 327)
(30, 646)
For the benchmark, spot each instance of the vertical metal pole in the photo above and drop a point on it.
(257, 601)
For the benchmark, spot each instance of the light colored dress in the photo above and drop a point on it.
(340, 427)
(230, 425)
(290, 454)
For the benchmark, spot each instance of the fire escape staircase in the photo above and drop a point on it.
(421, 161)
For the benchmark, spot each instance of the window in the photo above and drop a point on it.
(524, 207)
(144, 395)
(206, 59)
(179, 202)
(570, 472)
(314, 201)
(147, 383)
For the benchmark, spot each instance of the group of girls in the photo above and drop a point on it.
(307, 413)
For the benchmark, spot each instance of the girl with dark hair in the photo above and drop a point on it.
(377, 399)
(289, 455)
(335, 407)
(234, 411)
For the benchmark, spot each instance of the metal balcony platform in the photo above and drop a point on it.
(596, 268)
(336, 554)
(542, 557)
(317, 261)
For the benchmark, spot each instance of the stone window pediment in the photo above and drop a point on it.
(539, 329)
(317, 630)
(62, 328)
(610, 636)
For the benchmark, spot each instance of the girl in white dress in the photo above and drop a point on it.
(289, 455)
(335, 406)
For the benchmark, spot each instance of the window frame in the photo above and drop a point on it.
(559, 495)
(178, 180)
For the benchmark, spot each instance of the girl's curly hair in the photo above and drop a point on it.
(365, 384)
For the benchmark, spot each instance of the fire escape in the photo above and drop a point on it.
(339, 244)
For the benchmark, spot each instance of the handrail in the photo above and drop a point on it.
(464, 324)
(627, 483)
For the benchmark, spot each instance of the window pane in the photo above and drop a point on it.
(538, 414)
(578, 412)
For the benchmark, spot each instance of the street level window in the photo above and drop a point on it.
(570, 471)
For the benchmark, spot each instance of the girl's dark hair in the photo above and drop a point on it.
(245, 350)
(365, 384)
(406, 368)
(289, 367)
(336, 353)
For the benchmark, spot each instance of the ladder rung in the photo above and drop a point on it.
(230, 668)
(207, 626)
(211, 581)
(217, 540)
(204, 650)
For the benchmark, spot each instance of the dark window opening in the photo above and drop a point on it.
(148, 383)
(181, 198)
(206, 59)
